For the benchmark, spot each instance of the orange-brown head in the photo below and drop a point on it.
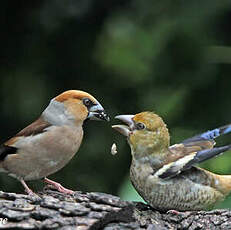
(74, 107)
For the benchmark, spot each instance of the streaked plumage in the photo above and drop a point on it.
(164, 175)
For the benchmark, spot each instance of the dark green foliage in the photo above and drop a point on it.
(134, 55)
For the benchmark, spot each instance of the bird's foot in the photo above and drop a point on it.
(58, 186)
(28, 190)
(174, 212)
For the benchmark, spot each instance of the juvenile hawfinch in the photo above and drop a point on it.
(165, 176)
(49, 143)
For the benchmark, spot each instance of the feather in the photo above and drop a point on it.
(173, 168)
(209, 135)
(6, 150)
(36, 127)
(192, 151)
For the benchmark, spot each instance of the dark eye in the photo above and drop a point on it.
(87, 102)
(140, 126)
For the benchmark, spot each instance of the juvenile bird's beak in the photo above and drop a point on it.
(97, 112)
(125, 130)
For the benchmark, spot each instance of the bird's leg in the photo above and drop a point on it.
(58, 186)
(27, 189)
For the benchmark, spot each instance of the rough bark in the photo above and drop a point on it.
(52, 210)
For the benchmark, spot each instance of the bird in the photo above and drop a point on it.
(49, 143)
(165, 175)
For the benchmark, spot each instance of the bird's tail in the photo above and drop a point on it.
(210, 135)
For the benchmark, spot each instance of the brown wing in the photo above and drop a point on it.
(36, 127)
(187, 148)
(172, 168)
(191, 151)
(196, 143)
(181, 150)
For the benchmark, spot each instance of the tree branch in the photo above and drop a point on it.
(52, 210)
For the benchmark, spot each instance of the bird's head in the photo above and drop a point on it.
(74, 107)
(146, 132)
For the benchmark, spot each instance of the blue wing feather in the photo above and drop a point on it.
(200, 156)
(209, 135)
(199, 147)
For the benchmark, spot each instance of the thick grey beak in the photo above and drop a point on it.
(124, 129)
(97, 112)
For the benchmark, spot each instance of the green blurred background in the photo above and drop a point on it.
(172, 57)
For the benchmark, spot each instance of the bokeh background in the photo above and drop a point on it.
(172, 57)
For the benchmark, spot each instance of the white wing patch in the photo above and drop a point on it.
(174, 168)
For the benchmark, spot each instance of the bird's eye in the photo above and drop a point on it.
(140, 126)
(87, 102)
